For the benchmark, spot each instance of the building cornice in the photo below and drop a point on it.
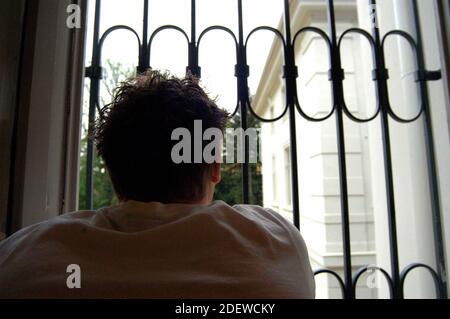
(305, 13)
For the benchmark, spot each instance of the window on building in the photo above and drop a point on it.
(274, 181)
(287, 176)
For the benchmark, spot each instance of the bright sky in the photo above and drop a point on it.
(169, 51)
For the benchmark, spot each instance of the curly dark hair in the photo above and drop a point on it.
(133, 136)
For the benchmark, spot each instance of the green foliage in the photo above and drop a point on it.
(103, 192)
(230, 188)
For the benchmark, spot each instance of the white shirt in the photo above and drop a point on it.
(154, 250)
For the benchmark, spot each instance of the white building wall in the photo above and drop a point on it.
(318, 162)
(414, 228)
(317, 152)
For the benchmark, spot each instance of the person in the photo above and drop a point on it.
(167, 237)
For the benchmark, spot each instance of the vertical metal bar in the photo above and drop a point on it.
(93, 100)
(193, 21)
(193, 67)
(381, 76)
(242, 72)
(337, 77)
(143, 52)
(290, 75)
(431, 161)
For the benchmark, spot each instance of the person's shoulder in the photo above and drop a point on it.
(252, 212)
(29, 234)
(275, 224)
(253, 219)
(285, 234)
(267, 216)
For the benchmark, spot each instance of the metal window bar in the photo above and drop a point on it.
(348, 283)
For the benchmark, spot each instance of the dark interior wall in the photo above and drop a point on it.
(11, 20)
(43, 177)
(44, 63)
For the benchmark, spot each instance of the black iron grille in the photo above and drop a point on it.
(384, 112)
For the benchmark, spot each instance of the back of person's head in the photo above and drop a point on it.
(133, 136)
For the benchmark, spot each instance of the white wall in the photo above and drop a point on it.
(440, 110)
(414, 222)
(317, 155)
(320, 216)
